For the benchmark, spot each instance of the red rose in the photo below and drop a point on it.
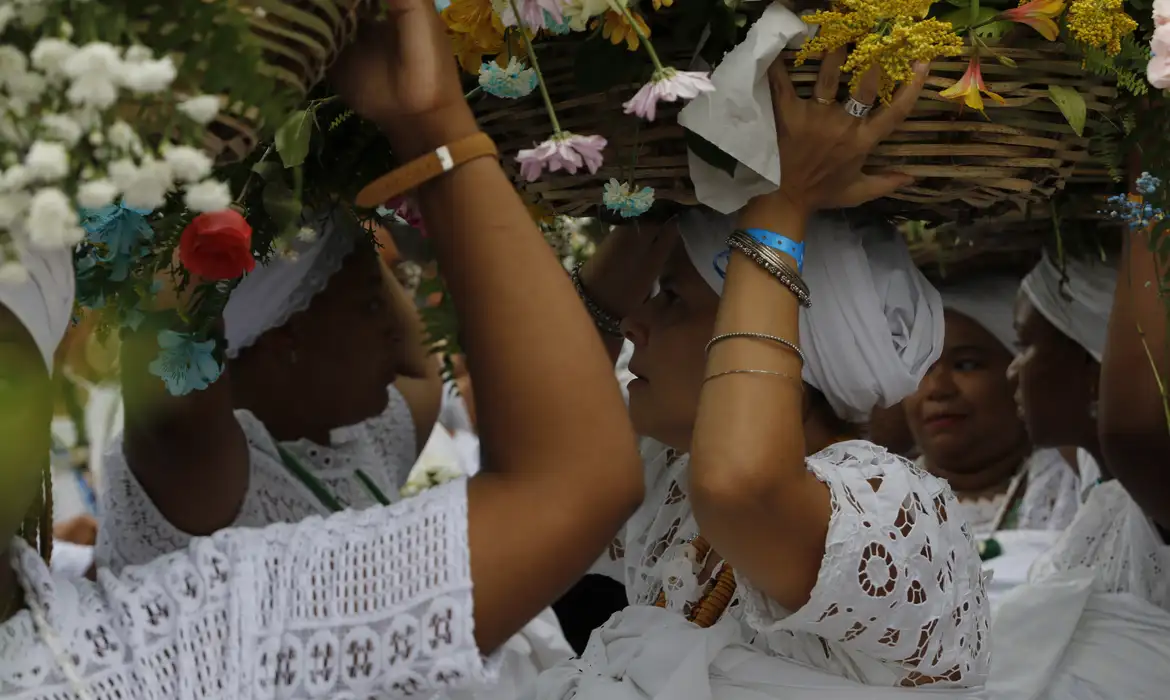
(217, 245)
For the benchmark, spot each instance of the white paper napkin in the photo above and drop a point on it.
(737, 116)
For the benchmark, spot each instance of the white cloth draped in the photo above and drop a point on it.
(876, 324)
(989, 301)
(1077, 305)
(1059, 640)
(43, 302)
(272, 293)
(737, 117)
(650, 653)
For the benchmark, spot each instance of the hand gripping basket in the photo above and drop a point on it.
(966, 164)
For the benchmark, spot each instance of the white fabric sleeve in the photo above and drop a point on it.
(371, 603)
(900, 583)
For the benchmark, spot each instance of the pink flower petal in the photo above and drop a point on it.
(677, 85)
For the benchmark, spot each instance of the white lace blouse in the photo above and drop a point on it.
(366, 465)
(1052, 494)
(370, 604)
(1112, 536)
(899, 600)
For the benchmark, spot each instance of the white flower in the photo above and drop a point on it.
(12, 62)
(307, 235)
(62, 128)
(50, 54)
(209, 195)
(149, 76)
(52, 223)
(96, 193)
(123, 137)
(13, 206)
(94, 70)
(138, 54)
(24, 88)
(579, 12)
(187, 163)
(201, 109)
(7, 13)
(47, 161)
(143, 186)
(12, 272)
(15, 178)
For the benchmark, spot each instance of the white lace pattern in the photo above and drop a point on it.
(899, 600)
(1112, 536)
(363, 605)
(133, 531)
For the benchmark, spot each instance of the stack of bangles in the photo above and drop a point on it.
(764, 248)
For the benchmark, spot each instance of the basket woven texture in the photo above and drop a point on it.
(717, 595)
(966, 164)
(300, 40)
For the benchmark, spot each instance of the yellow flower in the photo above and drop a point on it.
(469, 53)
(476, 18)
(1039, 15)
(618, 29)
(969, 86)
(659, 4)
(1099, 23)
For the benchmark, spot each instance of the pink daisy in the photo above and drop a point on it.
(669, 85)
(564, 151)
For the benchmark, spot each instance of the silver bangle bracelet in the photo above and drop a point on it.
(756, 336)
(774, 266)
(606, 322)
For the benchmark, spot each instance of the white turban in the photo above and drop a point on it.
(989, 301)
(43, 302)
(1079, 305)
(273, 293)
(876, 324)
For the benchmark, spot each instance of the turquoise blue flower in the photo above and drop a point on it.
(618, 198)
(90, 294)
(122, 232)
(184, 364)
(1147, 184)
(554, 27)
(511, 81)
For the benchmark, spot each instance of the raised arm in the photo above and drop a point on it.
(561, 469)
(754, 499)
(1133, 419)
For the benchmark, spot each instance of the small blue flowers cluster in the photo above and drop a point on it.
(1138, 214)
(620, 199)
(512, 81)
(185, 364)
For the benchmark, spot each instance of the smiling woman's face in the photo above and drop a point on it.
(26, 410)
(963, 416)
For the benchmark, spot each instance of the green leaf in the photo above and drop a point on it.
(1005, 61)
(710, 153)
(994, 32)
(268, 170)
(293, 137)
(1072, 106)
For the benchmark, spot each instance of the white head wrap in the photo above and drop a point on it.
(1079, 306)
(989, 301)
(876, 324)
(273, 293)
(44, 301)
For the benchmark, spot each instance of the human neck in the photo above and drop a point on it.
(282, 419)
(994, 478)
(818, 436)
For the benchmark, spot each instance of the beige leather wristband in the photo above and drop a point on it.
(425, 168)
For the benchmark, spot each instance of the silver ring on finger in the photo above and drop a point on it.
(856, 108)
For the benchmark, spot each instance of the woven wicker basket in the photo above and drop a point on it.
(966, 164)
(300, 39)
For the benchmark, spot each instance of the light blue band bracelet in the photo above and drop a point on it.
(784, 244)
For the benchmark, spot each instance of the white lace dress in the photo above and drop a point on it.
(366, 465)
(363, 605)
(1094, 620)
(899, 601)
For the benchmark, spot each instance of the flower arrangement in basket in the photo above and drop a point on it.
(585, 92)
(128, 133)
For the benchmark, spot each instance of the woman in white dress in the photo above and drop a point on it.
(847, 572)
(964, 419)
(1094, 620)
(377, 603)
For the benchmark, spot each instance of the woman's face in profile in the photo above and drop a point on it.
(26, 410)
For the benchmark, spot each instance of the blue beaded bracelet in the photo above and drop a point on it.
(784, 244)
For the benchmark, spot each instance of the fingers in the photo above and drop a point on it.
(780, 82)
(829, 77)
(867, 91)
(891, 116)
